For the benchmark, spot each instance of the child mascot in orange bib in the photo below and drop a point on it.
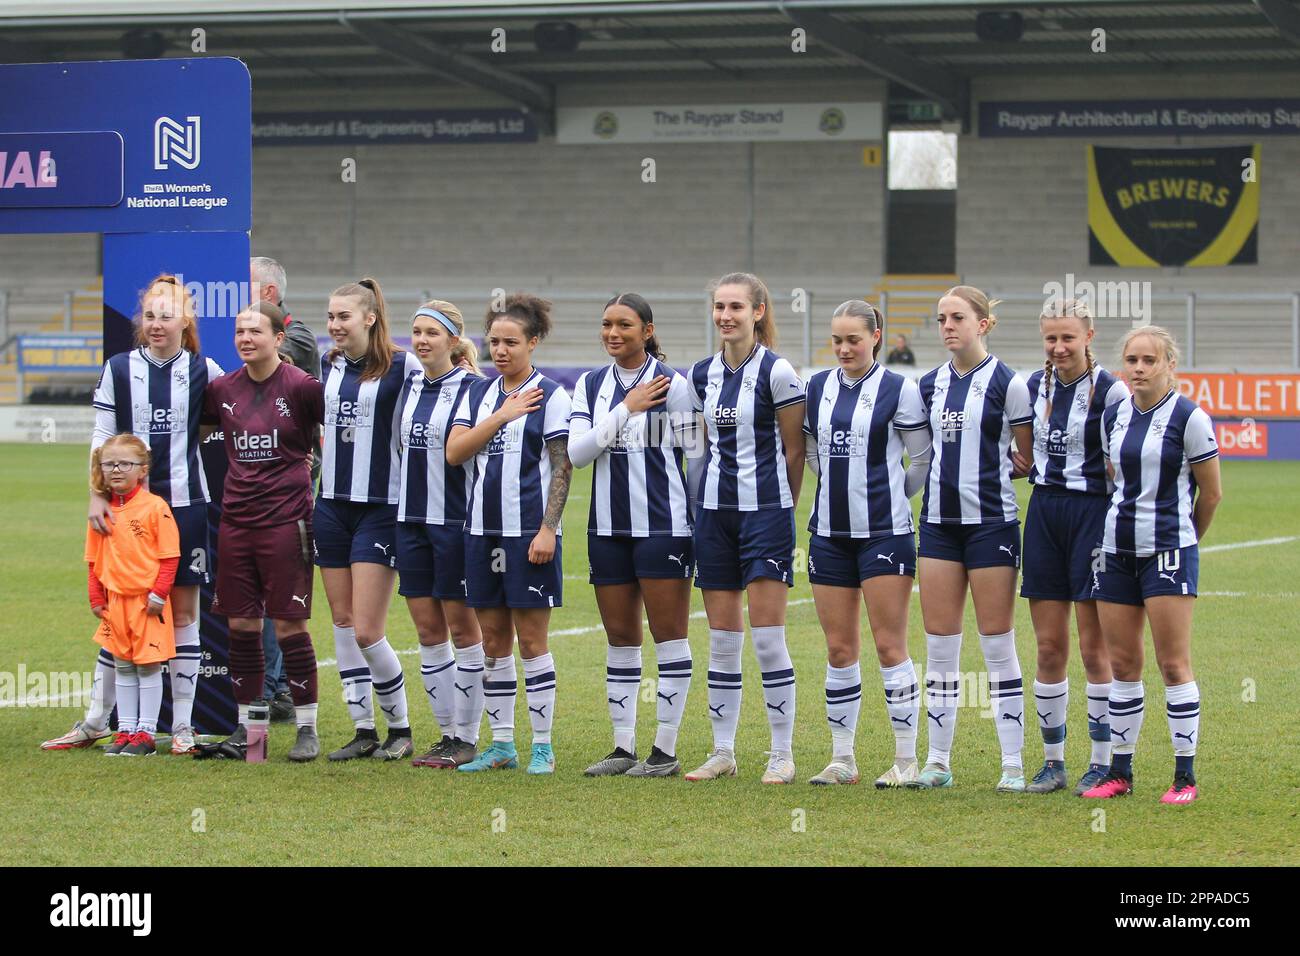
(130, 581)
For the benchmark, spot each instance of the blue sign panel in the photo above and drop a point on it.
(394, 126)
(60, 169)
(61, 353)
(185, 154)
(1093, 118)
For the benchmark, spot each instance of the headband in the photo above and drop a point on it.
(435, 314)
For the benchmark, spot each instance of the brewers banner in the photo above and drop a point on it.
(1173, 207)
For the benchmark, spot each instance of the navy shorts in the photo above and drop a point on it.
(349, 532)
(192, 523)
(431, 560)
(620, 559)
(1062, 539)
(847, 562)
(973, 545)
(1129, 579)
(733, 548)
(499, 574)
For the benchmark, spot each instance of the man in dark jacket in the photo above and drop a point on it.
(301, 349)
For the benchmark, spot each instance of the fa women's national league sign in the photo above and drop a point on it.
(155, 155)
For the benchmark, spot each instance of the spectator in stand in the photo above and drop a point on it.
(900, 354)
(300, 349)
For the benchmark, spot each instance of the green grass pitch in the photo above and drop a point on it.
(76, 808)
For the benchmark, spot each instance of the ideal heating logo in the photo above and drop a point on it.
(176, 142)
(77, 909)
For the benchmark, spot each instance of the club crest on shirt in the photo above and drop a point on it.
(1081, 402)
(282, 406)
(1158, 427)
(181, 376)
(865, 401)
(446, 395)
(977, 389)
(747, 384)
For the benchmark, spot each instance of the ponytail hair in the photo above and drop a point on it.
(190, 334)
(870, 316)
(530, 311)
(642, 308)
(764, 328)
(1068, 309)
(463, 350)
(379, 351)
(980, 303)
(125, 440)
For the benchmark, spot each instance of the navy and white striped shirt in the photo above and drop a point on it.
(159, 402)
(637, 486)
(1152, 453)
(745, 465)
(1067, 450)
(860, 451)
(970, 418)
(512, 472)
(361, 460)
(433, 492)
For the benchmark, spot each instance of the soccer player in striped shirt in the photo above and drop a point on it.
(356, 512)
(970, 531)
(746, 493)
(1062, 534)
(630, 421)
(859, 420)
(155, 391)
(1164, 457)
(431, 537)
(515, 429)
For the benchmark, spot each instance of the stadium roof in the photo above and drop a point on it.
(926, 48)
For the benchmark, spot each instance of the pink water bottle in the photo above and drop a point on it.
(259, 720)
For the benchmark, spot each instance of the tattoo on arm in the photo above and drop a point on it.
(561, 474)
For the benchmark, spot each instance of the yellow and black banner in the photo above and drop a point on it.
(1194, 206)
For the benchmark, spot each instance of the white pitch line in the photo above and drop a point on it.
(1235, 545)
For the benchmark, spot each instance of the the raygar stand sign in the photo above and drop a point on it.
(156, 155)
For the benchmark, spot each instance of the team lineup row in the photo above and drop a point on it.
(458, 483)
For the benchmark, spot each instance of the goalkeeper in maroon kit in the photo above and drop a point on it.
(270, 413)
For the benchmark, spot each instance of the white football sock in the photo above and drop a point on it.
(184, 672)
(468, 685)
(778, 684)
(151, 694)
(903, 704)
(1007, 694)
(539, 695)
(305, 715)
(1052, 704)
(128, 696)
(1099, 722)
(438, 673)
(355, 675)
(1183, 708)
(674, 659)
(1127, 707)
(843, 701)
(942, 691)
(390, 684)
(724, 686)
(103, 692)
(622, 687)
(500, 686)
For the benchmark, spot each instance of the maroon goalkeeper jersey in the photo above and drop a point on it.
(270, 430)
